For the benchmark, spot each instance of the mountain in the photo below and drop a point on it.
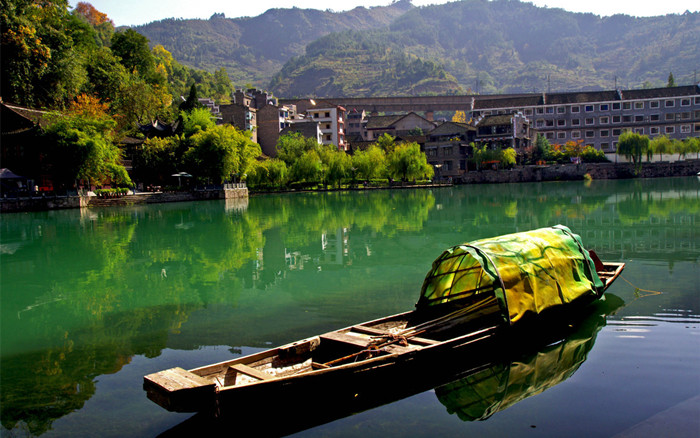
(354, 64)
(499, 46)
(253, 49)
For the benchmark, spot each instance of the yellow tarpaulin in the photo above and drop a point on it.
(527, 272)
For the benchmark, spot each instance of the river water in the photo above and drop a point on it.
(92, 300)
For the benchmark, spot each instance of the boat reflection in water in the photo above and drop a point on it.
(474, 382)
(483, 393)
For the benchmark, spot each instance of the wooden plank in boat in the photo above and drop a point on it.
(249, 371)
(377, 332)
(345, 339)
(175, 379)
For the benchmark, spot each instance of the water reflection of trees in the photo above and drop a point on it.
(99, 286)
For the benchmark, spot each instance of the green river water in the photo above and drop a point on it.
(92, 300)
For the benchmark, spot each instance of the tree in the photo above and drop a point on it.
(681, 147)
(370, 163)
(290, 147)
(139, 102)
(196, 120)
(157, 160)
(337, 165)
(408, 162)
(671, 80)
(661, 145)
(386, 142)
(80, 145)
(192, 101)
(459, 117)
(307, 168)
(693, 145)
(633, 146)
(574, 148)
(507, 157)
(132, 49)
(220, 153)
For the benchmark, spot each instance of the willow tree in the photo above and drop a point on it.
(633, 146)
(408, 162)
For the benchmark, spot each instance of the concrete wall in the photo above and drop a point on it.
(577, 171)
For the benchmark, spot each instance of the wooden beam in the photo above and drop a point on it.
(249, 371)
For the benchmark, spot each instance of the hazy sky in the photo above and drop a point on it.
(132, 12)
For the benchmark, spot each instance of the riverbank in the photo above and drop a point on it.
(563, 172)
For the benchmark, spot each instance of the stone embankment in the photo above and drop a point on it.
(56, 203)
(566, 172)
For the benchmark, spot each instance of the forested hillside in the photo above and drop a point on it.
(487, 46)
(254, 49)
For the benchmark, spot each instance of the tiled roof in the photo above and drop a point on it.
(449, 128)
(383, 122)
(18, 119)
(652, 93)
(495, 120)
(507, 102)
(580, 97)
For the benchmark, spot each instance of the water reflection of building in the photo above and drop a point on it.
(334, 246)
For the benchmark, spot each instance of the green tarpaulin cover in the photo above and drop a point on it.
(527, 272)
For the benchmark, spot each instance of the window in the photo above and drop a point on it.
(639, 105)
(329, 137)
(589, 108)
(639, 131)
(590, 134)
(561, 135)
(616, 119)
(605, 133)
(604, 107)
(561, 122)
(589, 121)
(539, 123)
(605, 145)
(654, 117)
(685, 102)
(616, 106)
(670, 116)
(626, 105)
(670, 129)
(575, 122)
(604, 120)
(549, 123)
(654, 104)
(539, 110)
(528, 112)
(697, 127)
(685, 116)
(654, 130)
(575, 109)
(575, 134)
(626, 119)
(670, 103)
(550, 110)
(617, 132)
(697, 114)
(685, 129)
(549, 135)
(561, 110)
(697, 100)
(447, 150)
(638, 118)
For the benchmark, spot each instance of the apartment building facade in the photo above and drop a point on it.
(331, 120)
(599, 117)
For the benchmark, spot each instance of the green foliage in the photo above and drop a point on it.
(133, 52)
(267, 174)
(292, 146)
(370, 163)
(386, 142)
(307, 168)
(507, 157)
(407, 162)
(593, 155)
(661, 145)
(220, 153)
(633, 146)
(191, 103)
(157, 159)
(671, 82)
(337, 165)
(80, 147)
(196, 120)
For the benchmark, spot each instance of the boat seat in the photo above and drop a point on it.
(249, 371)
(344, 338)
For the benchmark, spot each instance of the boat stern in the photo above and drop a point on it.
(179, 390)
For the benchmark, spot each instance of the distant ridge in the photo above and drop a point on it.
(499, 46)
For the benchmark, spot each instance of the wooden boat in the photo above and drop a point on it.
(473, 292)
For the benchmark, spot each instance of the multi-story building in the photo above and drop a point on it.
(504, 130)
(599, 117)
(447, 148)
(397, 125)
(332, 122)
